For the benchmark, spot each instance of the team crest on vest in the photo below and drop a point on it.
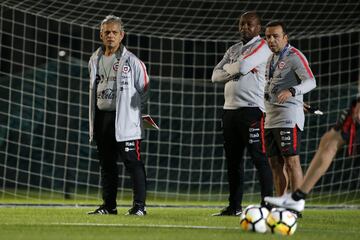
(116, 66)
(126, 69)
(281, 65)
(246, 52)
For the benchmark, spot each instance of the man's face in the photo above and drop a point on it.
(276, 38)
(111, 35)
(249, 27)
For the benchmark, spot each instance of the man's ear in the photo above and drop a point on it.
(258, 28)
(286, 37)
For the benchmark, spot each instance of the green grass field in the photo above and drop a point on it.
(168, 223)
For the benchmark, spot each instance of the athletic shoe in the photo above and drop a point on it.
(266, 205)
(298, 214)
(228, 211)
(137, 210)
(102, 210)
(286, 201)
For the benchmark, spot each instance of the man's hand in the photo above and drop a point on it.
(306, 107)
(232, 68)
(283, 96)
(356, 114)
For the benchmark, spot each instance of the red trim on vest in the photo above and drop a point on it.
(146, 81)
(256, 49)
(303, 61)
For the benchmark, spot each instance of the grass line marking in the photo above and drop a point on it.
(347, 231)
(144, 225)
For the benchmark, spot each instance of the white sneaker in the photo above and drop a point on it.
(286, 201)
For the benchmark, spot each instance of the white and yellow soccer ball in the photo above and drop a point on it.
(281, 221)
(253, 218)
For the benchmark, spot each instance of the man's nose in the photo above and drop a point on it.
(271, 39)
(244, 27)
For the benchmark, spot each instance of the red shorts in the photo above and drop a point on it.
(349, 128)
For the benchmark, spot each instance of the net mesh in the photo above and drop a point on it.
(44, 149)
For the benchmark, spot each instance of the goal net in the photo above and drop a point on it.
(45, 47)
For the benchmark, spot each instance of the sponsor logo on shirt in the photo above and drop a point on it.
(116, 66)
(129, 146)
(285, 138)
(283, 144)
(254, 135)
(106, 94)
(254, 129)
(126, 69)
(124, 84)
(284, 133)
(281, 65)
(127, 149)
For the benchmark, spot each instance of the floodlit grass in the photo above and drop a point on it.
(161, 223)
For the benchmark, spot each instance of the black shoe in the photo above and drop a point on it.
(137, 210)
(104, 210)
(266, 205)
(229, 211)
(298, 214)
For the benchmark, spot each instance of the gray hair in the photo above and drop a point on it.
(112, 19)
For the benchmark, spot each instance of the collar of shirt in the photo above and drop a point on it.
(118, 52)
(254, 39)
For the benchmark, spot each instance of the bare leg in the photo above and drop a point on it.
(329, 145)
(279, 175)
(294, 171)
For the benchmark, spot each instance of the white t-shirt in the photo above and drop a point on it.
(106, 87)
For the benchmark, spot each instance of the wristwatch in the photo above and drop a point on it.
(293, 91)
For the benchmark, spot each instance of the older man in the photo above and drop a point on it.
(118, 86)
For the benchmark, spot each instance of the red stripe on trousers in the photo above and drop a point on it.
(137, 149)
(295, 138)
(262, 132)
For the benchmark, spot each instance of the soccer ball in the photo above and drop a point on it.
(281, 221)
(253, 218)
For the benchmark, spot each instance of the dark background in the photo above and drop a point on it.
(44, 97)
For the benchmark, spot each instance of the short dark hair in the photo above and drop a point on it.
(275, 23)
